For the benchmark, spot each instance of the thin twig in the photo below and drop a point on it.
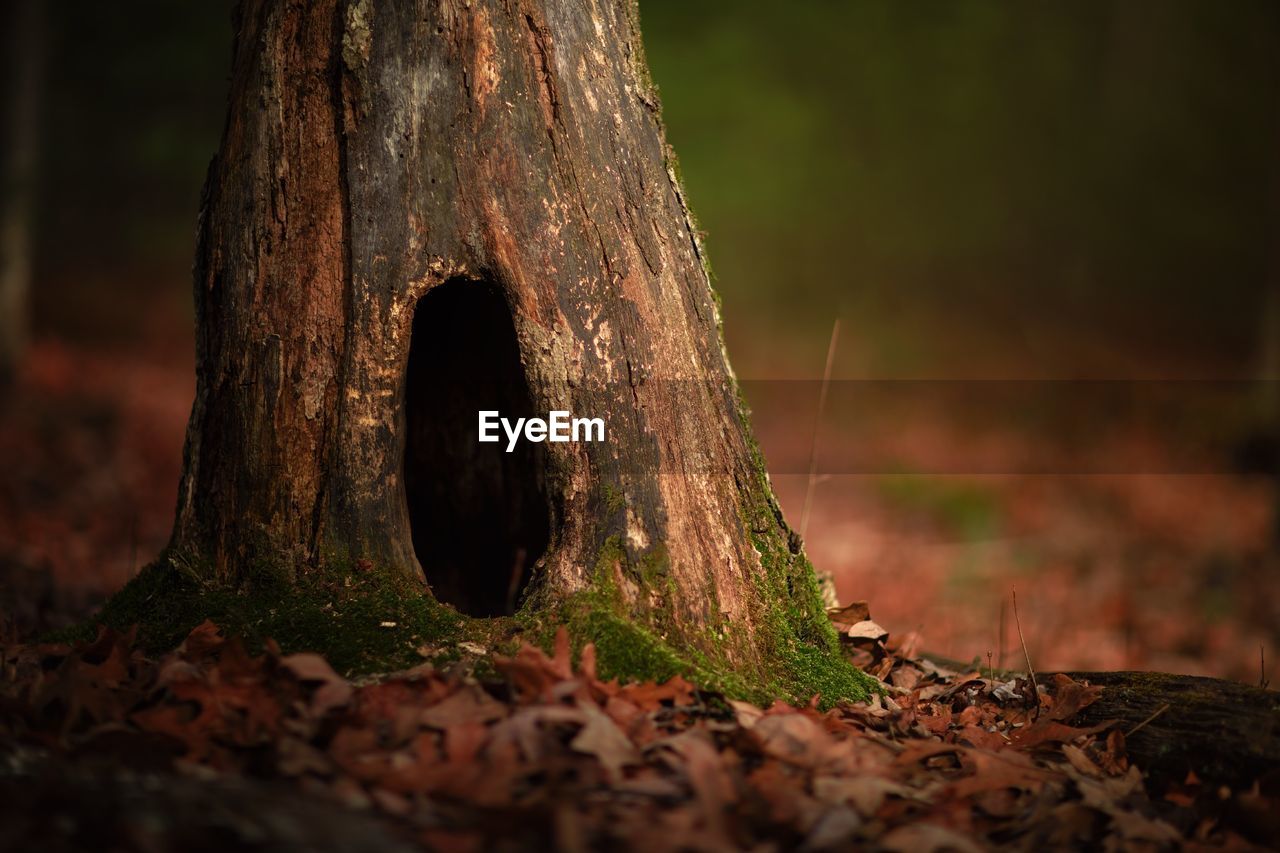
(1030, 671)
(1000, 640)
(891, 745)
(817, 423)
(1262, 667)
(1139, 726)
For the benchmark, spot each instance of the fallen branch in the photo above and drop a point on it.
(1225, 732)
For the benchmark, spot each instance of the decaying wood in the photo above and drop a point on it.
(377, 150)
(1225, 732)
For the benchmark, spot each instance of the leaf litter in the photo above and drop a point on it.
(550, 756)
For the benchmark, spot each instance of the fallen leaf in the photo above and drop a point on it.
(468, 703)
(334, 690)
(866, 630)
(746, 713)
(1080, 761)
(602, 738)
(926, 838)
(864, 793)
(850, 614)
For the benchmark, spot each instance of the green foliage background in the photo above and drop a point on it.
(997, 165)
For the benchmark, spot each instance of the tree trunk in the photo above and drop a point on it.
(424, 210)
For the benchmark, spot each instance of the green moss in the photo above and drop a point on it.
(630, 645)
(628, 651)
(796, 626)
(655, 566)
(361, 621)
(369, 620)
(614, 499)
(624, 650)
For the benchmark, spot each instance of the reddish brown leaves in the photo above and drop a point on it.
(556, 757)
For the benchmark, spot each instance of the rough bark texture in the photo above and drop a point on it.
(378, 150)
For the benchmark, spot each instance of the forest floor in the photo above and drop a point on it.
(212, 747)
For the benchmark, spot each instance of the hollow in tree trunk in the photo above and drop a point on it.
(421, 211)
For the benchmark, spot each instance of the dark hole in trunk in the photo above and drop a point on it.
(480, 516)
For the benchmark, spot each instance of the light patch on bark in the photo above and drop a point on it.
(357, 36)
(484, 67)
(603, 346)
(554, 222)
(584, 74)
(636, 536)
(311, 390)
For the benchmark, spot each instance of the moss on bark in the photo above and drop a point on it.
(370, 620)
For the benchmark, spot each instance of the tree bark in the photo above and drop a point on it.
(423, 209)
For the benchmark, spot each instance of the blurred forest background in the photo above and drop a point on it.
(1028, 216)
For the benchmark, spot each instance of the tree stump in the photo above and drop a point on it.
(421, 211)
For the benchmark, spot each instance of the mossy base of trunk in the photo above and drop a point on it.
(367, 621)
(804, 654)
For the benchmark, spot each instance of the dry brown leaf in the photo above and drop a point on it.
(926, 769)
(792, 737)
(866, 630)
(927, 838)
(470, 703)
(1070, 697)
(602, 738)
(906, 677)
(334, 691)
(850, 614)
(746, 713)
(864, 793)
(1081, 761)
